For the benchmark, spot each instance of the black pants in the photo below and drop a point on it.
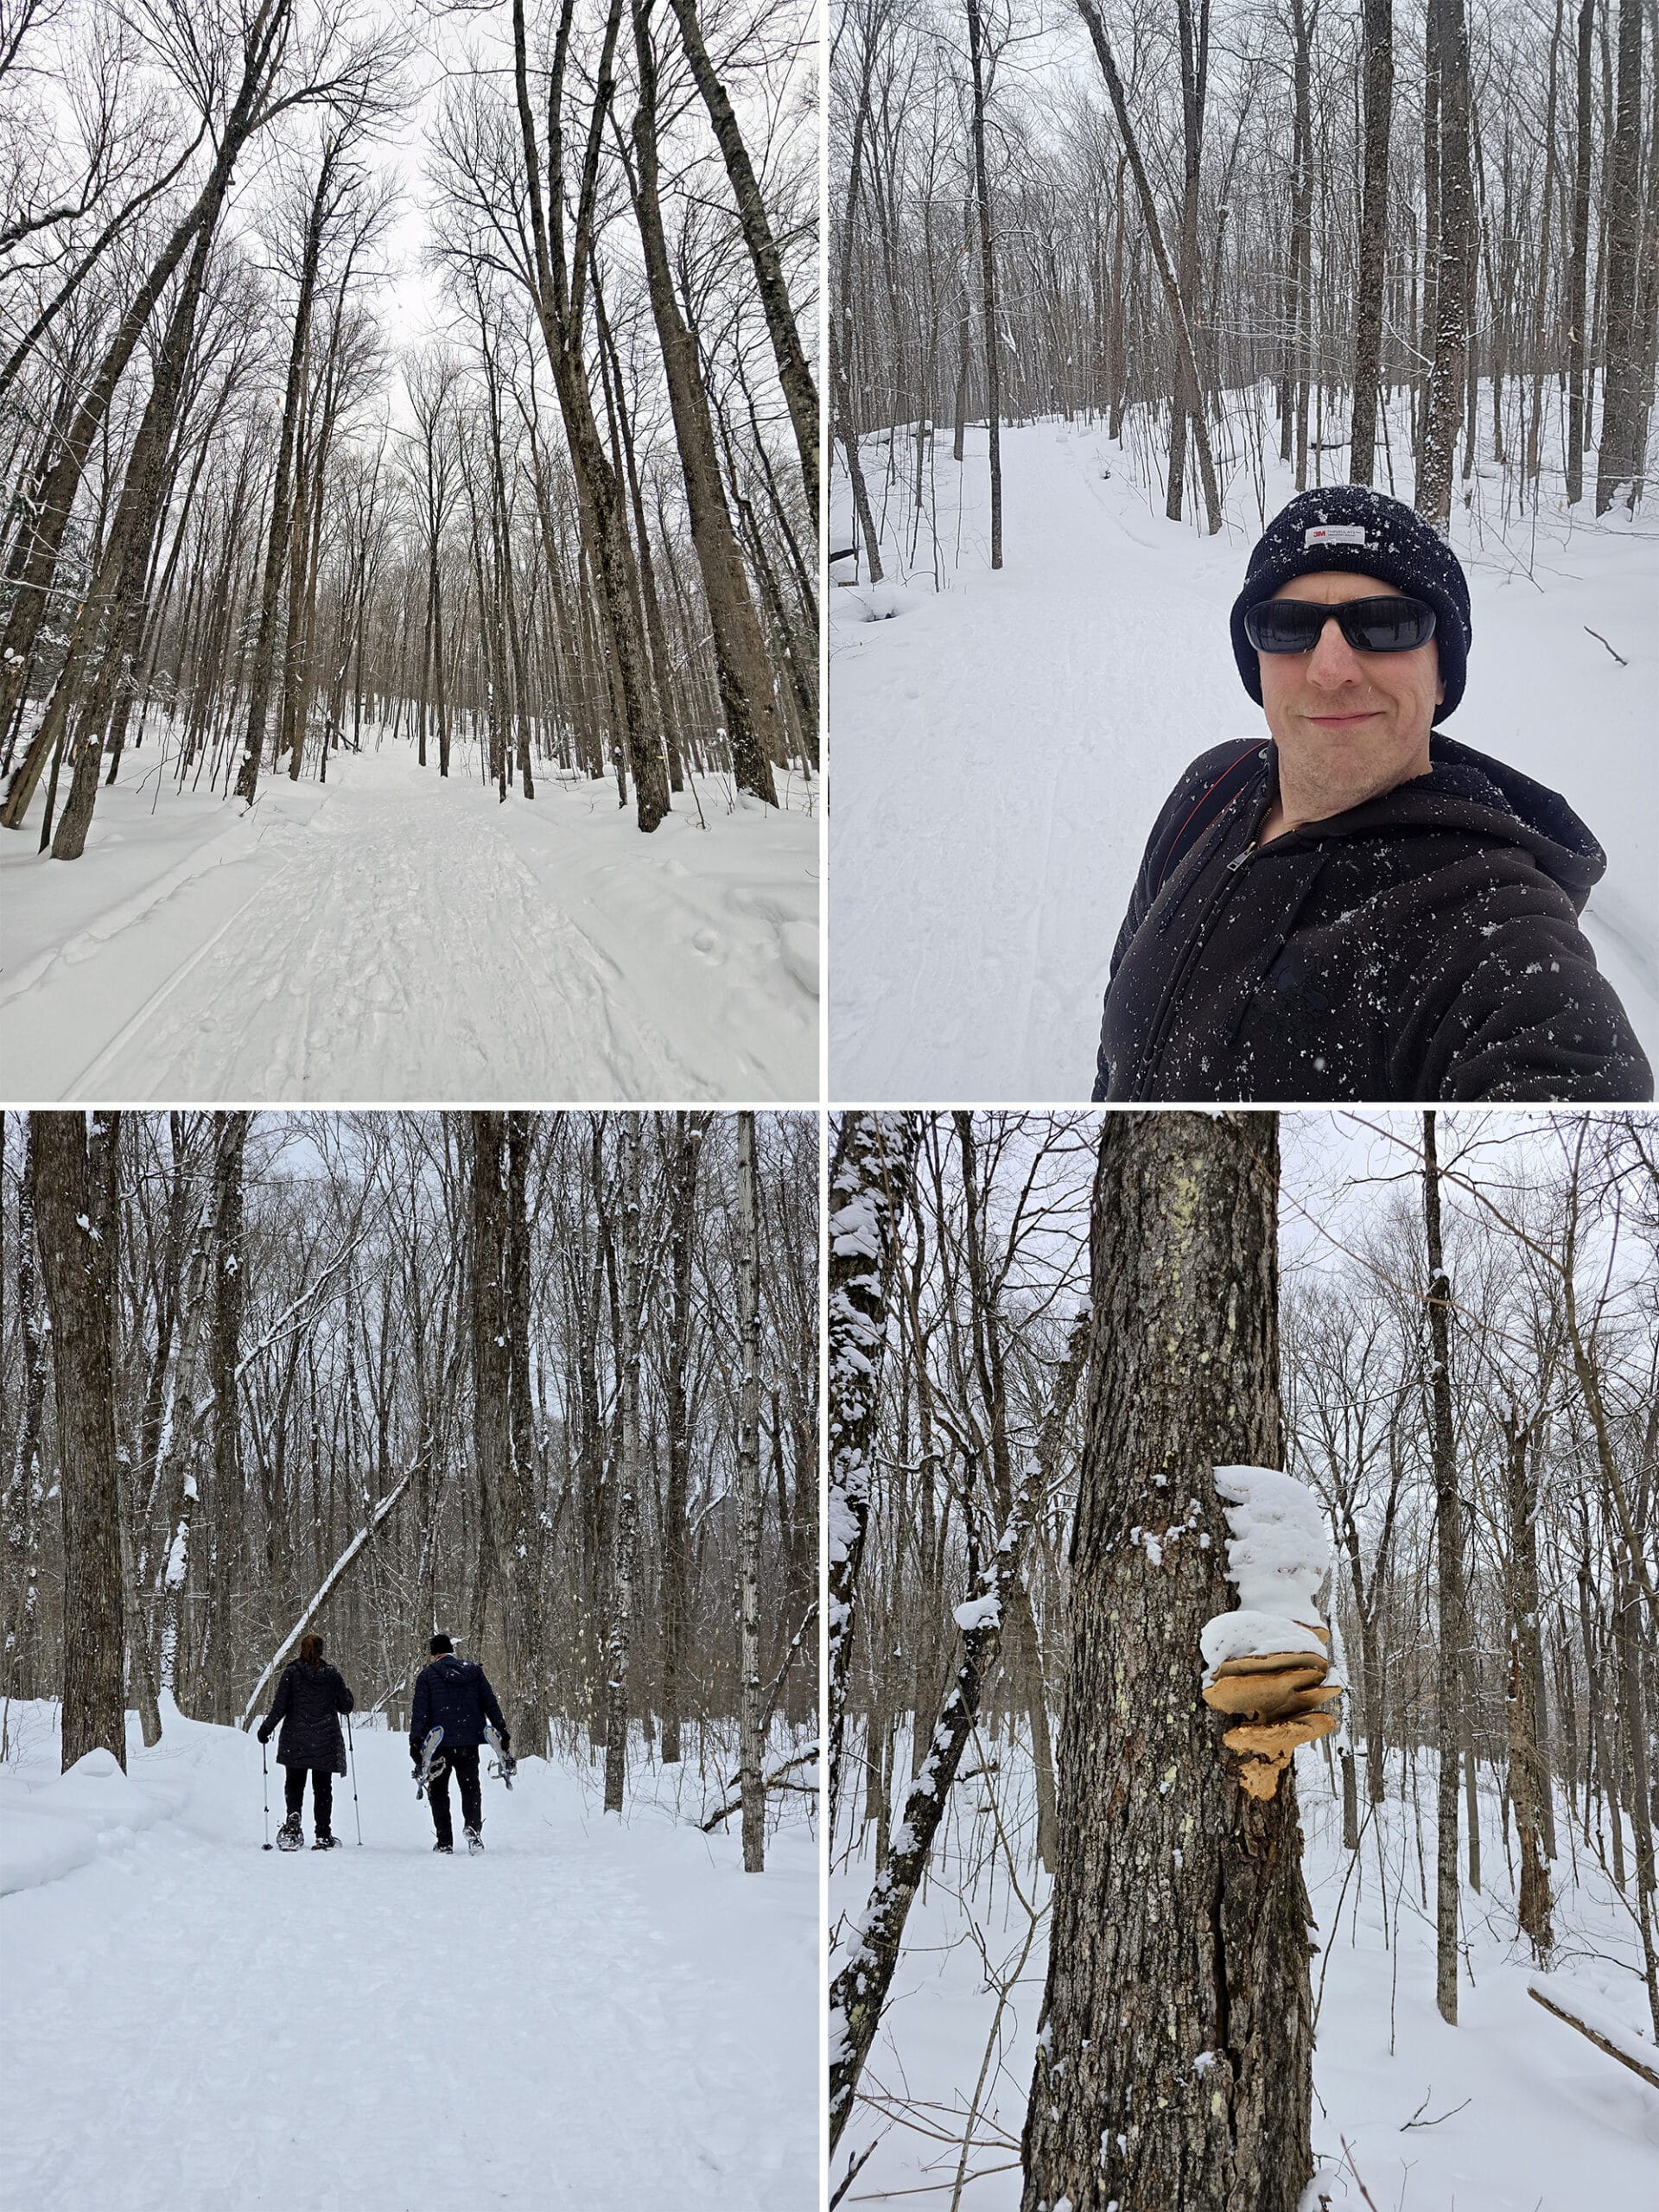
(464, 1764)
(323, 1795)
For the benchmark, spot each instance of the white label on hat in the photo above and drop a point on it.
(1334, 533)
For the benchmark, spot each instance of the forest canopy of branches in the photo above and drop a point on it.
(1258, 223)
(440, 376)
(381, 1375)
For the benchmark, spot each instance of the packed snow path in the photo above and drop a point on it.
(587, 2013)
(389, 936)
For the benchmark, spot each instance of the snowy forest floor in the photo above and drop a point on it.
(388, 937)
(1511, 2111)
(595, 2012)
(1001, 747)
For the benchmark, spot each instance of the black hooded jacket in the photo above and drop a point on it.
(453, 1695)
(309, 1702)
(1423, 946)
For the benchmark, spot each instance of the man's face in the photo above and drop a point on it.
(1345, 719)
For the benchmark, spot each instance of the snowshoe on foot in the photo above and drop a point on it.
(287, 1836)
(447, 1848)
(326, 1843)
(475, 1841)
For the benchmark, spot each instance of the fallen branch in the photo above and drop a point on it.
(1623, 662)
(772, 1781)
(1594, 2036)
(330, 1581)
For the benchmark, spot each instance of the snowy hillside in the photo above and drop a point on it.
(387, 936)
(593, 2012)
(1512, 2111)
(1001, 747)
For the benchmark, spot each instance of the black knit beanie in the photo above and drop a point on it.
(1350, 526)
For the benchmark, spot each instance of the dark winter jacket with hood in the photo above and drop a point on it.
(1423, 946)
(309, 1700)
(453, 1695)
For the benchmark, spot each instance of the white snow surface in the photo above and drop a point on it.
(594, 2012)
(1548, 2123)
(1279, 1550)
(387, 936)
(1002, 747)
(1247, 1634)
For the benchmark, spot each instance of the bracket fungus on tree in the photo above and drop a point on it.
(1267, 1663)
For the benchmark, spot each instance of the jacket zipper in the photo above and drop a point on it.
(1201, 936)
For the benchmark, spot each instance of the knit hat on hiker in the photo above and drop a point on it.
(1350, 526)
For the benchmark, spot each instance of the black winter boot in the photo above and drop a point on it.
(289, 1837)
(326, 1843)
(447, 1848)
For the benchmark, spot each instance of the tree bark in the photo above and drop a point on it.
(626, 1519)
(1443, 411)
(77, 1222)
(753, 1761)
(1378, 34)
(1179, 1945)
(1449, 1564)
(987, 286)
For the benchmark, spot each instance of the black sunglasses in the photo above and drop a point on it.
(1370, 626)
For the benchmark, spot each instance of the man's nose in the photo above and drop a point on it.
(1333, 661)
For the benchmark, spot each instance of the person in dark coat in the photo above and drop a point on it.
(311, 1699)
(1361, 908)
(453, 1695)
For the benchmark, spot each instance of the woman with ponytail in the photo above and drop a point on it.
(311, 1699)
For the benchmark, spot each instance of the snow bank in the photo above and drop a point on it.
(48, 1828)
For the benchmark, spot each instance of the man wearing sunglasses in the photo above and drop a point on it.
(1361, 908)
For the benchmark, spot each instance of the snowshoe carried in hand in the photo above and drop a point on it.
(287, 1836)
(475, 1841)
(506, 1766)
(431, 1764)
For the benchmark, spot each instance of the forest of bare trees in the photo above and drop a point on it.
(1046, 1333)
(1235, 229)
(506, 450)
(546, 1381)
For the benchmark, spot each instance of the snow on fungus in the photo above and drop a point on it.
(1265, 1663)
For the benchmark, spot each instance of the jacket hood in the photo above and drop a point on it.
(1469, 792)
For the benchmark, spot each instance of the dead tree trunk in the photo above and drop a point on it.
(1179, 1946)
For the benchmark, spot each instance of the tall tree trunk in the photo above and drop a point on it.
(77, 1222)
(741, 664)
(1179, 1927)
(753, 1761)
(1529, 1779)
(1449, 1563)
(626, 1518)
(793, 374)
(1624, 410)
(689, 1132)
(1578, 267)
(1443, 411)
(1379, 36)
(987, 286)
(869, 1185)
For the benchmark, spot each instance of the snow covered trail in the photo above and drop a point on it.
(1002, 748)
(587, 2013)
(389, 937)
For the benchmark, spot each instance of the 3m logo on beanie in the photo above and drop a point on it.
(1335, 533)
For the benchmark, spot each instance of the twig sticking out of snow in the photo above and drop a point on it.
(1266, 1662)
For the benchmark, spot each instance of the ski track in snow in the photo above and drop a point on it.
(548, 2026)
(387, 939)
(1001, 748)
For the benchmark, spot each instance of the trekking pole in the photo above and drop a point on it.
(356, 1808)
(265, 1763)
